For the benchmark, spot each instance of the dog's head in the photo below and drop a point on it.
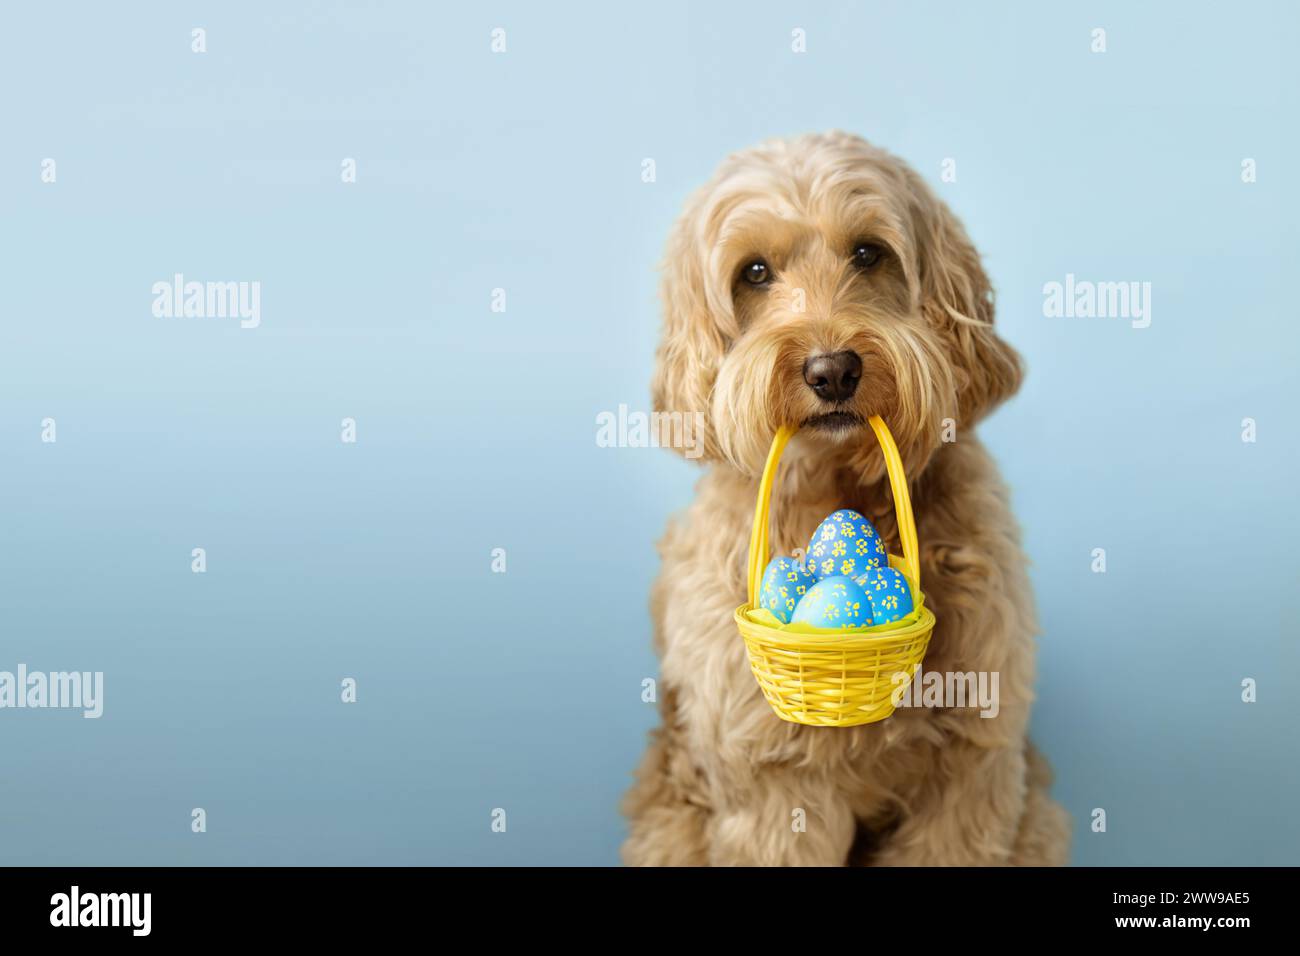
(818, 281)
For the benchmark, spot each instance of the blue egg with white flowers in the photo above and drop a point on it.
(785, 582)
(847, 545)
(834, 602)
(889, 593)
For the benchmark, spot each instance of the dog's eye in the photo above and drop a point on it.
(757, 273)
(867, 254)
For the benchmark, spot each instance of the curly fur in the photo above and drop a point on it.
(723, 776)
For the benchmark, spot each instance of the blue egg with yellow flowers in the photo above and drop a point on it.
(785, 582)
(889, 593)
(836, 602)
(847, 545)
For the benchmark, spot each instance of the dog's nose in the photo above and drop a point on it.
(833, 377)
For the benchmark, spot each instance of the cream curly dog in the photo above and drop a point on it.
(819, 281)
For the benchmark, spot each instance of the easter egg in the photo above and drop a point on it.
(784, 584)
(845, 544)
(834, 601)
(889, 593)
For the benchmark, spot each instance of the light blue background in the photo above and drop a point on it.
(476, 430)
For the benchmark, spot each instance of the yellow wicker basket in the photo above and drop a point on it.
(836, 678)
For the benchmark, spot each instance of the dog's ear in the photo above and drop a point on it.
(956, 296)
(692, 344)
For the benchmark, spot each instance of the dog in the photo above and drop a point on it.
(818, 281)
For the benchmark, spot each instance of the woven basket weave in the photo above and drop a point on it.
(836, 678)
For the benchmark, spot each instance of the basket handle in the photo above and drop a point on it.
(897, 481)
